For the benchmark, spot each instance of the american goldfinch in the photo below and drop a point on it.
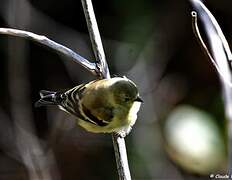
(101, 106)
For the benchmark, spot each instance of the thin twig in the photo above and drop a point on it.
(217, 28)
(52, 44)
(118, 142)
(204, 47)
(221, 55)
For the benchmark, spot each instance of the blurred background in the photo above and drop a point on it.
(180, 132)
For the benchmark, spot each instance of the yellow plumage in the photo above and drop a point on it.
(101, 106)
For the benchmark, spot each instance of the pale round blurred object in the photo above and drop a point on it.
(194, 141)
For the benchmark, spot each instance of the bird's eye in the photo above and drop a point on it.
(126, 99)
(62, 96)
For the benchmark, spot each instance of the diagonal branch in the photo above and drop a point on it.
(52, 44)
(118, 142)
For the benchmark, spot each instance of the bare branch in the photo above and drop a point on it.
(220, 34)
(221, 56)
(204, 47)
(121, 157)
(118, 143)
(95, 38)
(52, 44)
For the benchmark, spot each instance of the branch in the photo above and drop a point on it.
(204, 47)
(221, 55)
(95, 38)
(118, 142)
(121, 157)
(204, 10)
(52, 44)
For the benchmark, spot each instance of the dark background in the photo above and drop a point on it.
(151, 42)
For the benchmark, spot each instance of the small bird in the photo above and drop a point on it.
(101, 106)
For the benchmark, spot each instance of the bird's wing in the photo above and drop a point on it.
(92, 107)
(72, 103)
(100, 116)
(105, 113)
(78, 109)
(75, 94)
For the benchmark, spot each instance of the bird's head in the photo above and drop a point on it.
(125, 92)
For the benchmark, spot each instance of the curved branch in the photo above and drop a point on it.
(52, 44)
(221, 57)
(204, 47)
(218, 29)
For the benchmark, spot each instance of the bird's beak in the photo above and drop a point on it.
(139, 99)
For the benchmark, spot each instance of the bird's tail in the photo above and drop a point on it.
(47, 98)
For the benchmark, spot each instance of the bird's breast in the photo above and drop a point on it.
(132, 115)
